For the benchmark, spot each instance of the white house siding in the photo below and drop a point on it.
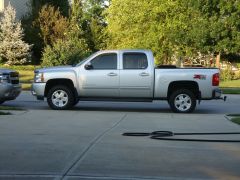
(20, 6)
(1, 5)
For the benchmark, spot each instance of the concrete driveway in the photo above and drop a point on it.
(87, 144)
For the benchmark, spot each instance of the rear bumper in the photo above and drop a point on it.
(9, 91)
(217, 94)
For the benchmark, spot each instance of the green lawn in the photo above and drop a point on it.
(236, 120)
(26, 78)
(230, 87)
(231, 90)
(230, 84)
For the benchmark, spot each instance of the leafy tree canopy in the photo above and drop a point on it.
(174, 27)
(89, 16)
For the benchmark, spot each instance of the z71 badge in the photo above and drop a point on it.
(200, 76)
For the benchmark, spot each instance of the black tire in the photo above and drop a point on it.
(1, 102)
(182, 101)
(75, 102)
(65, 99)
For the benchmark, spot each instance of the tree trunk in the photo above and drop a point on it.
(218, 60)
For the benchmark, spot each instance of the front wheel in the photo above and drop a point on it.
(75, 102)
(182, 101)
(60, 98)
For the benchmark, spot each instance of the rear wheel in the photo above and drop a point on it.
(60, 98)
(182, 101)
(1, 102)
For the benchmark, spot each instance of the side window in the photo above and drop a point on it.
(135, 61)
(105, 61)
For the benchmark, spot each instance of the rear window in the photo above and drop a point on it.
(135, 61)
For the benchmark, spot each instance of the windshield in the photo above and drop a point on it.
(83, 61)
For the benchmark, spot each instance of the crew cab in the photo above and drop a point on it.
(125, 75)
(10, 87)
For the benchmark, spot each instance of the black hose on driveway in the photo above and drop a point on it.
(167, 136)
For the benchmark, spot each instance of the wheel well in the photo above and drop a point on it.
(64, 82)
(190, 85)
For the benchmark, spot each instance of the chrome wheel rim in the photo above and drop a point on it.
(183, 102)
(60, 98)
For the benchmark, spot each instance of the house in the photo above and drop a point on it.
(20, 6)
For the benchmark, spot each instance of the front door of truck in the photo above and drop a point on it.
(100, 77)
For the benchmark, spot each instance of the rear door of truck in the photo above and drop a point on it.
(136, 75)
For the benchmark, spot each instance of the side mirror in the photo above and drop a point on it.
(88, 66)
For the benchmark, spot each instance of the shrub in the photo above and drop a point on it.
(21, 67)
(65, 52)
(236, 75)
(227, 74)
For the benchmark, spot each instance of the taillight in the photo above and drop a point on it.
(215, 79)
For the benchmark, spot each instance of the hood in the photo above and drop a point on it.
(55, 68)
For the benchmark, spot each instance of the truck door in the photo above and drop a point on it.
(100, 77)
(136, 76)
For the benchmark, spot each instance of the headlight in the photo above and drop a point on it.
(4, 78)
(39, 77)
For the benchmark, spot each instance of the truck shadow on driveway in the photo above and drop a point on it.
(136, 107)
(116, 106)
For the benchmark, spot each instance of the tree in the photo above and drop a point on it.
(158, 25)
(52, 25)
(90, 18)
(72, 47)
(13, 50)
(63, 5)
(175, 27)
(223, 31)
(32, 29)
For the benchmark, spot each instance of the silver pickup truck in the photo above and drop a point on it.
(10, 87)
(125, 75)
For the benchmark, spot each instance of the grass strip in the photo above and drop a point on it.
(8, 108)
(233, 115)
(26, 86)
(231, 90)
(4, 113)
(236, 120)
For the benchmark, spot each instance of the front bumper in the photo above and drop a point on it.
(10, 91)
(38, 90)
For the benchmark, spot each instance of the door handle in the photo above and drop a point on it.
(112, 74)
(144, 74)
